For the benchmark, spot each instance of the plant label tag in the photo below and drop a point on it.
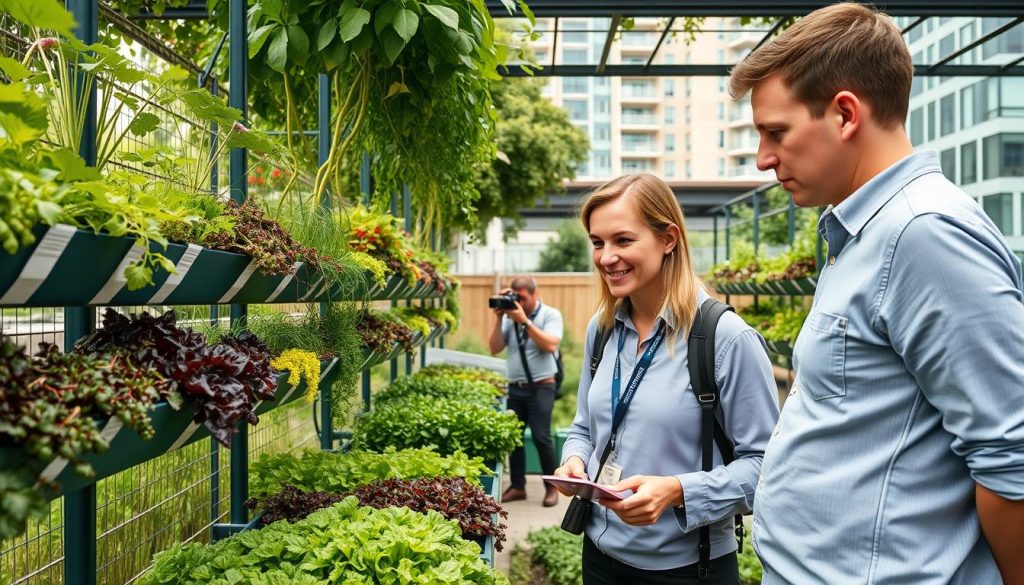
(610, 474)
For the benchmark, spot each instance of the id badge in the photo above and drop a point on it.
(610, 474)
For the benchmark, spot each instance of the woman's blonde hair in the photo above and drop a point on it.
(656, 205)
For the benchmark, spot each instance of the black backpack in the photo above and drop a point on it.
(701, 363)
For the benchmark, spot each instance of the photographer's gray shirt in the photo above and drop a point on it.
(542, 363)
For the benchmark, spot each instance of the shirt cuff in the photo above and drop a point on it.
(696, 496)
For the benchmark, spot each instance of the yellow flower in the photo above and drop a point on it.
(301, 364)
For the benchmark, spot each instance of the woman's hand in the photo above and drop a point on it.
(573, 467)
(652, 495)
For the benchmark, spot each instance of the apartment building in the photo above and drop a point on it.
(680, 128)
(975, 124)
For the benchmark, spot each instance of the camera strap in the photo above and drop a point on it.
(521, 342)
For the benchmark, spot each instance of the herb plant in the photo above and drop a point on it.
(559, 553)
(51, 406)
(445, 425)
(438, 387)
(463, 373)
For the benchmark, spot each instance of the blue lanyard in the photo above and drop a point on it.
(620, 405)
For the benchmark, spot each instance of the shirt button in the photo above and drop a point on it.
(831, 260)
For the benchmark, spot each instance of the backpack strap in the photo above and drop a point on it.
(701, 363)
(601, 337)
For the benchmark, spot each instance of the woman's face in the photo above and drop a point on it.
(627, 253)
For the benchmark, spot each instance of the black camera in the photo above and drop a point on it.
(505, 302)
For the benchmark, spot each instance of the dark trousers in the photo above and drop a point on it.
(601, 569)
(533, 407)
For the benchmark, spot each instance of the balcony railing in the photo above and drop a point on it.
(639, 119)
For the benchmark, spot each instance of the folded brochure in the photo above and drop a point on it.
(585, 488)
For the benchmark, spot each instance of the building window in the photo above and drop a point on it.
(670, 169)
(947, 158)
(602, 160)
(947, 114)
(967, 107)
(573, 31)
(602, 132)
(669, 59)
(689, 144)
(917, 126)
(722, 84)
(968, 163)
(947, 46)
(574, 56)
(999, 207)
(932, 122)
(670, 87)
(720, 111)
(602, 104)
(670, 142)
(721, 56)
(638, 165)
(687, 113)
(721, 139)
(915, 33)
(637, 142)
(966, 38)
(576, 85)
(1003, 156)
(577, 110)
(689, 171)
(721, 168)
(670, 115)
(1011, 41)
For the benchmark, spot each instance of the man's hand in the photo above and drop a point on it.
(573, 467)
(517, 314)
(652, 495)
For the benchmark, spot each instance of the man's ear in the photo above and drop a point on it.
(849, 111)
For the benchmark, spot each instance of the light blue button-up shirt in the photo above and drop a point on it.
(909, 389)
(660, 435)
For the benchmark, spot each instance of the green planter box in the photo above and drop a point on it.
(174, 429)
(532, 460)
(72, 267)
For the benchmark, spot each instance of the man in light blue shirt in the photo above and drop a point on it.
(899, 455)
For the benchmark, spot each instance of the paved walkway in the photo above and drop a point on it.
(526, 515)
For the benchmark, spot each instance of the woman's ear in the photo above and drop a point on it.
(671, 238)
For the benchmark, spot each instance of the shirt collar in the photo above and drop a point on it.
(622, 313)
(854, 212)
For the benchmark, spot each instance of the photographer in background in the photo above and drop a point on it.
(532, 331)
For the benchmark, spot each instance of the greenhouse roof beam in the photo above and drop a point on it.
(775, 29)
(661, 39)
(666, 8)
(612, 29)
(722, 70)
(982, 40)
(914, 25)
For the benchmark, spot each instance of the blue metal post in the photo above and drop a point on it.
(791, 219)
(80, 505)
(394, 360)
(238, 76)
(757, 222)
(727, 218)
(323, 126)
(364, 187)
(407, 216)
(714, 240)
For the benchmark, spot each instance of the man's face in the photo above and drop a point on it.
(807, 154)
(527, 299)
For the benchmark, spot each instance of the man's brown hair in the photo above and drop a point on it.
(845, 46)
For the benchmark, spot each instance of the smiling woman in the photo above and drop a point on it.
(650, 295)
